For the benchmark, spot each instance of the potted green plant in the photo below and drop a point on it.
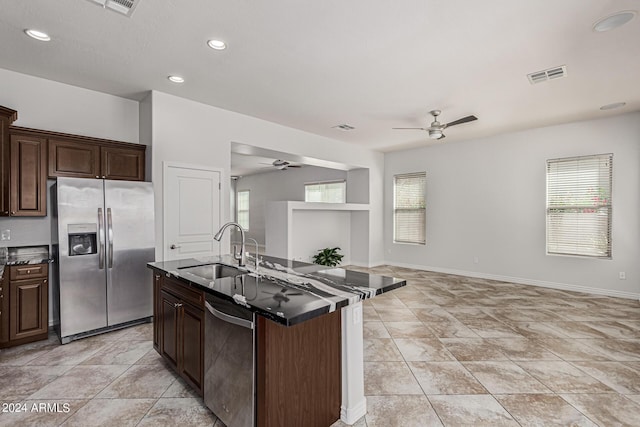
(328, 256)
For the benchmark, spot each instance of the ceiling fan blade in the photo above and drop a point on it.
(462, 120)
(411, 128)
(294, 166)
(442, 137)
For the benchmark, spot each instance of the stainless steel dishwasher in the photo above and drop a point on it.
(229, 365)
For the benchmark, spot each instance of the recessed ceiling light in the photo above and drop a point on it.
(616, 20)
(217, 44)
(38, 35)
(176, 79)
(613, 106)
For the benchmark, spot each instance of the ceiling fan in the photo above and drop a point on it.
(436, 128)
(282, 164)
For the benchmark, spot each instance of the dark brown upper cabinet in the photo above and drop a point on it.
(28, 176)
(74, 159)
(122, 163)
(7, 116)
(84, 157)
(29, 156)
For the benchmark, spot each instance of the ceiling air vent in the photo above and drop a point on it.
(124, 7)
(344, 127)
(550, 74)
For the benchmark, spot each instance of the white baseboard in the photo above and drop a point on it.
(351, 415)
(523, 281)
(366, 264)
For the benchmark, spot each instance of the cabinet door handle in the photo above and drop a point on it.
(177, 304)
(97, 177)
(44, 281)
(13, 212)
(174, 246)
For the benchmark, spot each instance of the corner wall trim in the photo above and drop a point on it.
(522, 281)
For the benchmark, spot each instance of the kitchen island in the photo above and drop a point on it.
(307, 333)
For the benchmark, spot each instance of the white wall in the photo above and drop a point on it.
(190, 132)
(321, 229)
(48, 105)
(486, 199)
(279, 185)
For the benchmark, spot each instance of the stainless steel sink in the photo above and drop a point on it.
(212, 271)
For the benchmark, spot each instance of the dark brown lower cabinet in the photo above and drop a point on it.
(170, 316)
(24, 310)
(181, 328)
(4, 310)
(29, 300)
(192, 346)
(299, 372)
(157, 283)
(298, 368)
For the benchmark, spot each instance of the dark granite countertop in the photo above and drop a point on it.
(288, 292)
(25, 255)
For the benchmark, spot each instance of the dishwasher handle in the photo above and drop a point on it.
(228, 318)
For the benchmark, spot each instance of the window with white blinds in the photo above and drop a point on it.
(579, 206)
(243, 209)
(409, 208)
(327, 192)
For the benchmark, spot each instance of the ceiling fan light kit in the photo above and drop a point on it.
(435, 134)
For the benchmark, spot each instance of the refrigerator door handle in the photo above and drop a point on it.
(101, 239)
(110, 238)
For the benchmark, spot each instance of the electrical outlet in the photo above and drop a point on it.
(5, 235)
(622, 275)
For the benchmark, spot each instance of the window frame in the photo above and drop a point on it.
(580, 205)
(423, 176)
(334, 181)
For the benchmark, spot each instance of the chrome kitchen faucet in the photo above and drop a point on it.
(239, 256)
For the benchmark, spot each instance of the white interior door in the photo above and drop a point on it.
(192, 206)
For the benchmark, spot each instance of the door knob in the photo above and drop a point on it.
(174, 246)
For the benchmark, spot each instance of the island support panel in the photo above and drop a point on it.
(354, 403)
(299, 372)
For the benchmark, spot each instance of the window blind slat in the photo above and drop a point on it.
(409, 208)
(326, 192)
(579, 205)
(242, 208)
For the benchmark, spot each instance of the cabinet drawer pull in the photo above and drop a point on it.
(177, 304)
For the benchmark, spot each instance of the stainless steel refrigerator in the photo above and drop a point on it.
(105, 237)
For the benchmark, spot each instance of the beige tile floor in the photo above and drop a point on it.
(444, 350)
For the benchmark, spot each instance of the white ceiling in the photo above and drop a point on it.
(250, 160)
(371, 64)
